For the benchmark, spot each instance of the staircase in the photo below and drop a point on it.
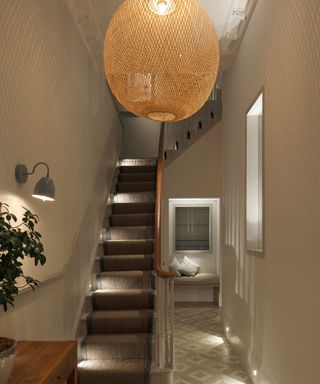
(117, 348)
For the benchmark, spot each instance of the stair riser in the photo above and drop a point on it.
(129, 282)
(128, 248)
(116, 351)
(114, 263)
(135, 197)
(142, 324)
(139, 169)
(136, 177)
(116, 302)
(133, 208)
(135, 187)
(109, 376)
(143, 220)
(131, 233)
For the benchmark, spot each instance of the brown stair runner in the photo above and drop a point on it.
(119, 330)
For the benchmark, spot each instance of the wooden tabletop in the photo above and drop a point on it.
(39, 362)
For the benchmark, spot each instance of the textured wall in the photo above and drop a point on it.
(271, 301)
(54, 107)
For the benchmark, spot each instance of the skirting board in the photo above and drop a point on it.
(161, 376)
(265, 378)
(247, 355)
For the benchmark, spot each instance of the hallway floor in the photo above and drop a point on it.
(202, 355)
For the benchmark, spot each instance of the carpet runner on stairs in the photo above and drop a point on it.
(117, 349)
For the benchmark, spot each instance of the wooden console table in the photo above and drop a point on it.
(45, 362)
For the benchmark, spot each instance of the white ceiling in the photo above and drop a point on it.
(218, 9)
(229, 17)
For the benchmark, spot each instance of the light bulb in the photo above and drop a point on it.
(162, 7)
(43, 198)
(255, 372)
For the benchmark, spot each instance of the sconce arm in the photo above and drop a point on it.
(36, 165)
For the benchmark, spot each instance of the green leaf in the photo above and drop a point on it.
(16, 243)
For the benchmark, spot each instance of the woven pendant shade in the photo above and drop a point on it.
(161, 57)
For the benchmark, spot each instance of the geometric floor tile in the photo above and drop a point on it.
(202, 355)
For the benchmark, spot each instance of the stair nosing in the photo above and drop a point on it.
(129, 240)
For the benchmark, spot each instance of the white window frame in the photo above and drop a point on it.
(195, 205)
(215, 239)
(255, 231)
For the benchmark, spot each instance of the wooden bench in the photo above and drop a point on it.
(200, 280)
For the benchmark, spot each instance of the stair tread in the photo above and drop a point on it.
(127, 262)
(138, 174)
(133, 227)
(122, 321)
(124, 273)
(135, 204)
(117, 338)
(142, 232)
(123, 291)
(130, 365)
(123, 313)
(122, 215)
(136, 256)
(138, 169)
(133, 207)
(136, 182)
(132, 247)
(131, 220)
(129, 241)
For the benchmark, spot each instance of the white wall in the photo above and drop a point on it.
(271, 302)
(196, 173)
(54, 107)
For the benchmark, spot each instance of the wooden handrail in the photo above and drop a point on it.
(157, 246)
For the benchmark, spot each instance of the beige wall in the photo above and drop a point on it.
(196, 173)
(271, 302)
(54, 107)
(140, 138)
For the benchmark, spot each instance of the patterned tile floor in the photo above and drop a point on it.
(202, 355)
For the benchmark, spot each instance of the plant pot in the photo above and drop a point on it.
(8, 349)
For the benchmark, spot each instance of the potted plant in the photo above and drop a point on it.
(18, 240)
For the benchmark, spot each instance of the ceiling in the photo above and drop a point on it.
(230, 18)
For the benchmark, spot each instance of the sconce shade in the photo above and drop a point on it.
(44, 189)
(161, 57)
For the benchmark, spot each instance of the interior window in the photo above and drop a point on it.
(192, 229)
(254, 176)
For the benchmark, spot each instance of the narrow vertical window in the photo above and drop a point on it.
(254, 176)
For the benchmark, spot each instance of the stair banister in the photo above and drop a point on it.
(157, 256)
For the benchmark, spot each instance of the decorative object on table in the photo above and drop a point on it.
(161, 57)
(44, 189)
(17, 242)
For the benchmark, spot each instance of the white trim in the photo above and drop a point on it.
(215, 251)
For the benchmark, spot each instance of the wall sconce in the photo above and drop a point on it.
(44, 189)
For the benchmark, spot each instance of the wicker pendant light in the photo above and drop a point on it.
(161, 57)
